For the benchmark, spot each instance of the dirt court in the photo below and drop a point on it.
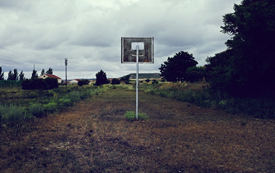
(93, 136)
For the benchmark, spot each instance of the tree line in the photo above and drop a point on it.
(15, 76)
(247, 67)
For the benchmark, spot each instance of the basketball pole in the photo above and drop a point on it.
(137, 47)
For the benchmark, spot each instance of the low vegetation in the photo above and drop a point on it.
(200, 95)
(131, 116)
(94, 136)
(18, 105)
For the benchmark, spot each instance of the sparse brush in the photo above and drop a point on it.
(50, 107)
(65, 102)
(37, 110)
(13, 113)
(74, 96)
(131, 116)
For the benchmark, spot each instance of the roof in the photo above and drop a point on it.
(52, 76)
(75, 80)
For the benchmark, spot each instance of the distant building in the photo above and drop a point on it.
(44, 76)
(92, 82)
(74, 82)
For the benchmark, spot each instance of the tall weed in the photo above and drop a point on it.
(37, 110)
(50, 107)
(260, 108)
(13, 113)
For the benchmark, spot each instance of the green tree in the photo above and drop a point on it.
(10, 75)
(194, 74)
(250, 62)
(125, 79)
(1, 74)
(34, 74)
(101, 78)
(174, 68)
(115, 81)
(21, 76)
(83, 82)
(15, 74)
(42, 72)
(50, 71)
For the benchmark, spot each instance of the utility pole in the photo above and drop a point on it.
(66, 64)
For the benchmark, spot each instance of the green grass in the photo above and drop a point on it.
(13, 113)
(131, 116)
(259, 108)
(37, 110)
(17, 105)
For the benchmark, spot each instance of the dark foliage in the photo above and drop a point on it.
(115, 81)
(41, 84)
(101, 78)
(42, 72)
(83, 82)
(174, 68)
(194, 74)
(34, 74)
(1, 74)
(125, 79)
(247, 68)
(21, 76)
(50, 71)
(13, 75)
(154, 82)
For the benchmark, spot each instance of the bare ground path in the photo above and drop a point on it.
(93, 136)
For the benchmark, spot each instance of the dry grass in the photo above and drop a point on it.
(93, 136)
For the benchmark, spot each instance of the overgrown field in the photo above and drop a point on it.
(201, 95)
(94, 136)
(17, 105)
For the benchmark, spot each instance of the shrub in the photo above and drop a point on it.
(52, 83)
(115, 81)
(83, 82)
(74, 96)
(66, 102)
(194, 74)
(41, 84)
(131, 116)
(37, 110)
(50, 107)
(12, 113)
(155, 82)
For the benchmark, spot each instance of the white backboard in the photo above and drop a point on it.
(146, 49)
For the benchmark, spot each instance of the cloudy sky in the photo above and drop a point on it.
(88, 33)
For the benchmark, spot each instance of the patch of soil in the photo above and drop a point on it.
(93, 136)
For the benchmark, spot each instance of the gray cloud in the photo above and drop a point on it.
(88, 33)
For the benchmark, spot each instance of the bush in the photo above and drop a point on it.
(37, 110)
(155, 82)
(83, 82)
(194, 74)
(50, 107)
(66, 102)
(41, 84)
(74, 96)
(115, 81)
(131, 116)
(12, 113)
(52, 83)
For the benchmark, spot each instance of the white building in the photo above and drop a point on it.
(44, 76)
